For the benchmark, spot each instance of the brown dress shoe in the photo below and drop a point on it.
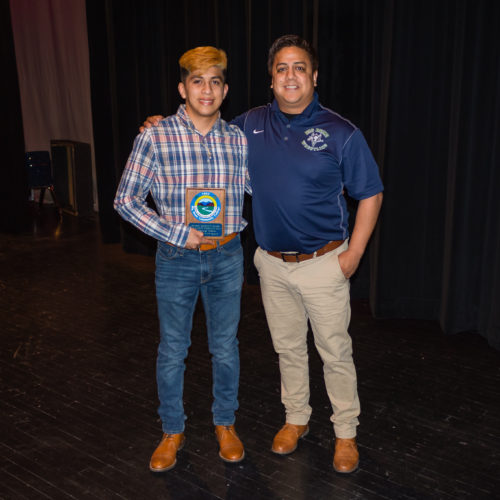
(231, 448)
(164, 457)
(286, 439)
(346, 458)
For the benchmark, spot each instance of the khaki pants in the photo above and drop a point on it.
(314, 290)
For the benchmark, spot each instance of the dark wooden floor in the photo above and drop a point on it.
(78, 399)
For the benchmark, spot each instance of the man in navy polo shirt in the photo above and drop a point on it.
(302, 157)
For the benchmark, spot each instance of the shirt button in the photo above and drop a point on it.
(288, 126)
(285, 138)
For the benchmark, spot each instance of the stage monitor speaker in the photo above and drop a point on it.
(72, 170)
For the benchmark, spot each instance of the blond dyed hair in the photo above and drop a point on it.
(201, 58)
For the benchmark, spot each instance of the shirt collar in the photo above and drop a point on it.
(188, 123)
(304, 116)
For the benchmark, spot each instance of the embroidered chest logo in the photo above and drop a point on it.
(315, 140)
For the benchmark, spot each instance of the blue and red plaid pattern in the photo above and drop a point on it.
(167, 159)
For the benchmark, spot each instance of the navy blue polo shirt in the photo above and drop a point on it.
(298, 169)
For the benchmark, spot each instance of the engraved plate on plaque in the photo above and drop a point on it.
(205, 210)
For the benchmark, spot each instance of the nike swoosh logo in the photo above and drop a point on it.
(255, 131)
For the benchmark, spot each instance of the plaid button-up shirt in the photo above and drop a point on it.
(173, 156)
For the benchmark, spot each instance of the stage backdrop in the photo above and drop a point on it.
(420, 78)
(52, 58)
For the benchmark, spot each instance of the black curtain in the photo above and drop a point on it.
(14, 216)
(420, 78)
(438, 252)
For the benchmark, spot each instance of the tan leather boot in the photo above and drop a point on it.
(164, 457)
(346, 458)
(286, 439)
(231, 448)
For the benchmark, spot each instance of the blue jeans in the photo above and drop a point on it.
(181, 275)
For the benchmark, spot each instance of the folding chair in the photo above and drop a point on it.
(40, 174)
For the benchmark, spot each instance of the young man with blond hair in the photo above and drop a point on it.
(193, 151)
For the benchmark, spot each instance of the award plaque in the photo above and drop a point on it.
(205, 210)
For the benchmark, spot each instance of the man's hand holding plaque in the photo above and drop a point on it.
(195, 239)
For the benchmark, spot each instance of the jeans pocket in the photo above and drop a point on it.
(232, 248)
(168, 252)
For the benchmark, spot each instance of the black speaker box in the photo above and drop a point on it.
(72, 170)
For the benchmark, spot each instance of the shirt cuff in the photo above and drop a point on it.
(178, 235)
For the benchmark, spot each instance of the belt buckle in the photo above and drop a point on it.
(296, 254)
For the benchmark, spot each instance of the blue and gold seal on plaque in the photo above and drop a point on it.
(205, 211)
(205, 206)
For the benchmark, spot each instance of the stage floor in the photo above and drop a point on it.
(78, 395)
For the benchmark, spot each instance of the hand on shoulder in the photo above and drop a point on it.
(151, 121)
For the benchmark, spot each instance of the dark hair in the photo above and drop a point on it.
(291, 41)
